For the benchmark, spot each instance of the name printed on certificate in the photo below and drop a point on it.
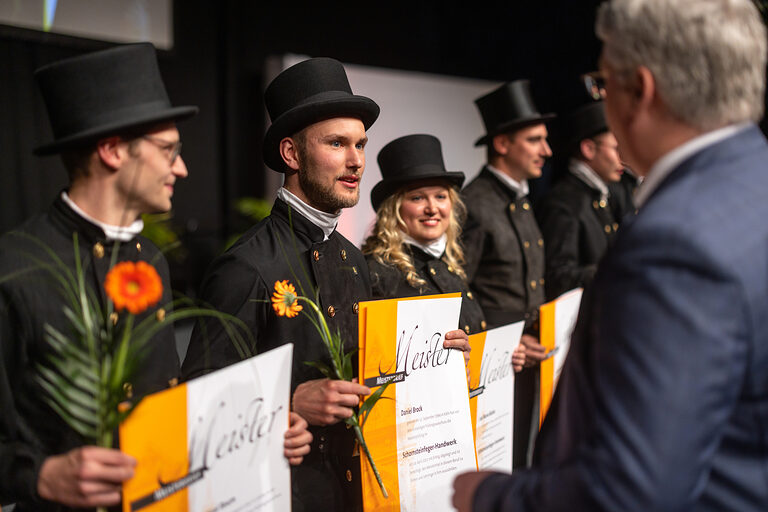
(214, 443)
(420, 433)
(492, 394)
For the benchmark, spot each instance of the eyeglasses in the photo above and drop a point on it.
(598, 143)
(595, 84)
(173, 147)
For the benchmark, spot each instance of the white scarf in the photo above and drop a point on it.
(588, 175)
(518, 187)
(325, 221)
(435, 248)
(120, 233)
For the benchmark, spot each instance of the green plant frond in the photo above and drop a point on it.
(83, 427)
(67, 393)
(324, 369)
(87, 381)
(63, 276)
(63, 344)
(253, 208)
(149, 326)
(75, 319)
(370, 402)
(346, 366)
(19, 273)
(55, 258)
(117, 370)
(68, 362)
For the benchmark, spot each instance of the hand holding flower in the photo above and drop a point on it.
(88, 476)
(325, 402)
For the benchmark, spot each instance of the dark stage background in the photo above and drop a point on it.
(219, 62)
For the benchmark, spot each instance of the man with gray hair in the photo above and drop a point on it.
(663, 401)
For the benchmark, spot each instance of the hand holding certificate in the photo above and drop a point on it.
(491, 394)
(215, 442)
(420, 434)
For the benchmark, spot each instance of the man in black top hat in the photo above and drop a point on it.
(115, 130)
(503, 244)
(577, 217)
(317, 138)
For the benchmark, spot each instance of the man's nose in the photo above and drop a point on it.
(179, 168)
(546, 150)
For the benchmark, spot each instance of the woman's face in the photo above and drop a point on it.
(426, 211)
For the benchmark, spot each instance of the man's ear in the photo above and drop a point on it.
(645, 85)
(500, 143)
(587, 147)
(111, 152)
(290, 153)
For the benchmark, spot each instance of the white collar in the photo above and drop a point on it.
(667, 163)
(120, 233)
(325, 221)
(588, 175)
(518, 187)
(435, 248)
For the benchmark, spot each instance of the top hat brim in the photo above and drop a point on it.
(136, 119)
(386, 188)
(513, 125)
(304, 115)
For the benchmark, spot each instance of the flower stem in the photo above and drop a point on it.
(353, 421)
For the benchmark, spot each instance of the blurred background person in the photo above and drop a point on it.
(503, 246)
(576, 217)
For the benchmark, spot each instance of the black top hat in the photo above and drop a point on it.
(585, 122)
(306, 93)
(507, 108)
(408, 159)
(103, 93)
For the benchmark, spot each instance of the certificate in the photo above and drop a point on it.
(420, 434)
(557, 320)
(492, 394)
(214, 443)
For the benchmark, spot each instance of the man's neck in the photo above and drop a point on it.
(98, 201)
(665, 138)
(500, 165)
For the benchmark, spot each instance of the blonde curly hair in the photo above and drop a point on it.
(386, 244)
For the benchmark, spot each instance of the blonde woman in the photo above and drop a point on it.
(414, 248)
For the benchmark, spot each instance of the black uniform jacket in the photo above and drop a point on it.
(286, 245)
(504, 250)
(30, 430)
(578, 226)
(389, 282)
(623, 196)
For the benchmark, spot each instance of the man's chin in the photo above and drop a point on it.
(348, 198)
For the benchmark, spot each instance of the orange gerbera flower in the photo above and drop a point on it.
(133, 286)
(285, 302)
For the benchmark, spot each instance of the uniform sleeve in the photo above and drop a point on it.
(560, 229)
(233, 287)
(664, 366)
(19, 461)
